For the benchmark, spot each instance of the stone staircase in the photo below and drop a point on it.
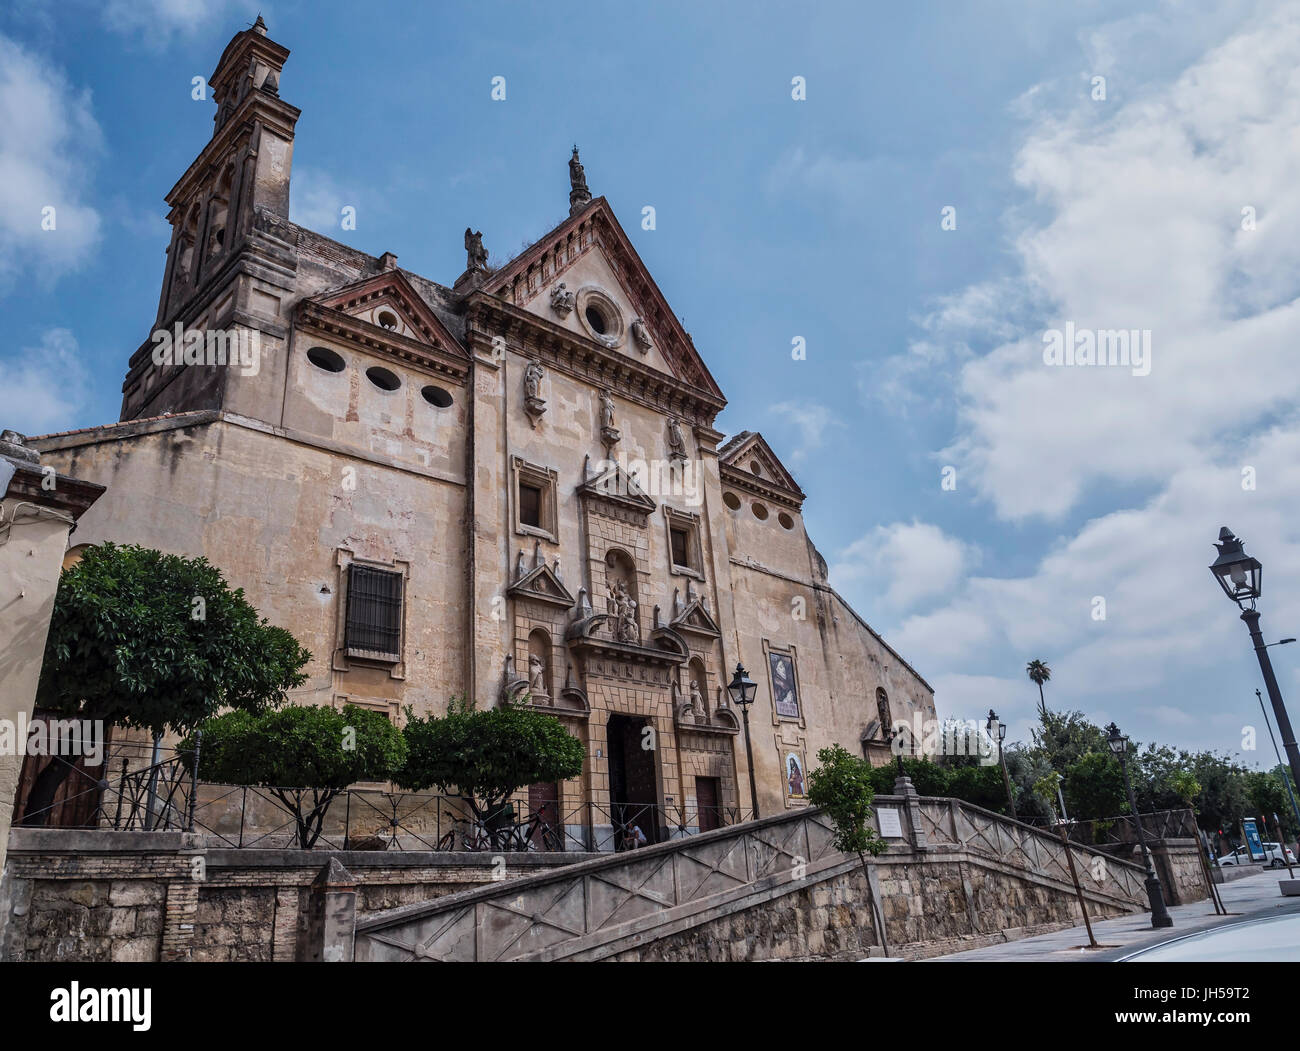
(773, 888)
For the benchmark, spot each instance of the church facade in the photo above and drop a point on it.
(509, 489)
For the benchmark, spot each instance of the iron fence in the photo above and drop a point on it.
(167, 795)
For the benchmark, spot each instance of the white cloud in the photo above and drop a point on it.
(904, 563)
(1140, 225)
(42, 388)
(49, 142)
(813, 421)
(155, 22)
(1145, 232)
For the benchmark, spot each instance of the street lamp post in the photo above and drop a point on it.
(1159, 914)
(1264, 711)
(1239, 576)
(742, 690)
(1002, 759)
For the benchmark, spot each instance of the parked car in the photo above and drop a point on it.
(1272, 854)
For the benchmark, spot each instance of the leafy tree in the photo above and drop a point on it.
(1152, 770)
(981, 785)
(1065, 737)
(487, 756)
(304, 755)
(1094, 787)
(929, 779)
(1267, 794)
(1039, 673)
(156, 642)
(1224, 800)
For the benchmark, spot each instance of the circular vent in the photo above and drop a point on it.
(731, 500)
(326, 360)
(436, 396)
(382, 378)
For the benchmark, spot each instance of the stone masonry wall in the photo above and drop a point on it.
(925, 908)
(128, 896)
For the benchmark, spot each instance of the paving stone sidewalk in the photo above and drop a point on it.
(1250, 897)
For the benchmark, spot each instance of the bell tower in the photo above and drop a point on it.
(229, 214)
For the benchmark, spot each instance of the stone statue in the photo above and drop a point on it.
(536, 676)
(533, 379)
(606, 410)
(697, 702)
(562, 300)
(641, 335)
(533, 403)
(475, 252)
(676, 442)
(577, 175)
(622, 609)
(579, 195)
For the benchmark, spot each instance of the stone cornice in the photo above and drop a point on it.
(739, 478)
(72, 496)
(584, 359)
(433, 358)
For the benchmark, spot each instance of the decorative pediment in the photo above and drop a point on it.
(542, 585)
(384, 313)
(696, 620)
(614, 487)
(747, 461)
(649, 331)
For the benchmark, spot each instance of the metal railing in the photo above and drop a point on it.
(168, 796)
(1122, 829)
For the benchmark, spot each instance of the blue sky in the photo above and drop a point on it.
(820, 218)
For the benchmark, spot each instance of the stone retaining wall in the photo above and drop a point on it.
(143, 896)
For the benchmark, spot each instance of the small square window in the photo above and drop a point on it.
(684, 553)
(535, 510)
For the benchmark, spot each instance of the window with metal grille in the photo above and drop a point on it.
(374, 620)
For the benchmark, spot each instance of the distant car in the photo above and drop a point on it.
(1272, 852)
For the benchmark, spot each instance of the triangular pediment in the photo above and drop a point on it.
(588, 261)
(542, 584)
(748, 460)
(616, 486)
(384, 311)
(696, 619)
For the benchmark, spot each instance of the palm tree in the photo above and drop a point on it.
(1039, 673)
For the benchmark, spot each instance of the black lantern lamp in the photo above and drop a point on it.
(1237, 573)
(742, 689)
(1159, 913)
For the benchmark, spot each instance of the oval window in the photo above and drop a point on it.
(382, 378)
(786, 521)
(760, 511)
(325, 359)
(731, 500)
(387, 320)
(596, 320)
(436, 396)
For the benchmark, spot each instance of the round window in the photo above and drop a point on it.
(387, 320)
(436, 396)
(756, 469)
(760, 511)
(382, 378)
(597, 321)
(325, 359)
(786, 521)
(731, 500)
